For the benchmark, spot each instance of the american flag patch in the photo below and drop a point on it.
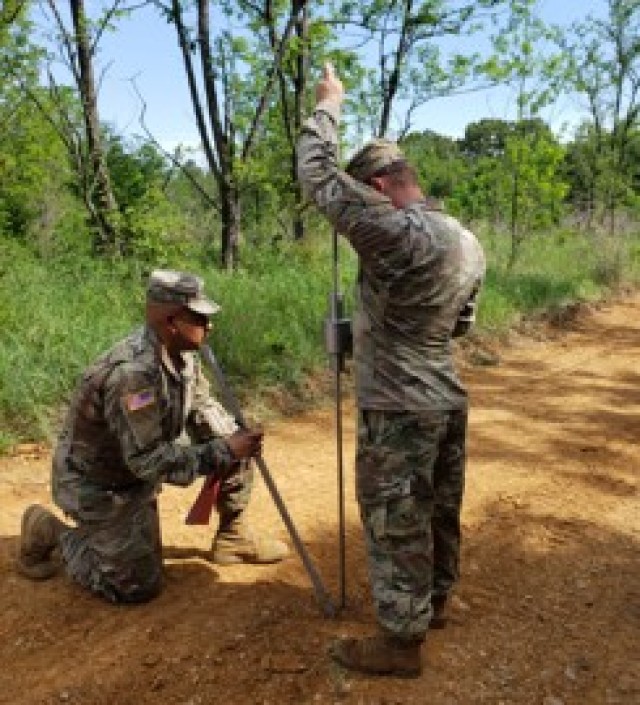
(139, 400)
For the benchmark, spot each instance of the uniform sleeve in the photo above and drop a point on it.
(133, 413)
(381, 234)
(207, 418)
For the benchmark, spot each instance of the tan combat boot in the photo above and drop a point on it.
(379, 655)
(235, 543)
(40, 531)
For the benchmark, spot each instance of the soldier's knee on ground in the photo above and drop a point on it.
(130, 591)
(140, 594)
(135, 580)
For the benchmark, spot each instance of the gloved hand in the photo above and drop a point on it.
(245, 443)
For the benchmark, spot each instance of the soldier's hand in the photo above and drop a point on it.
(246, 443)
(330, 86)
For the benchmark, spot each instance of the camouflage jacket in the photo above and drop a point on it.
(418, 268)
(127, 423)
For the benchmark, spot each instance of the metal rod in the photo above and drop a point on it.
(230, 401)
(338, 359)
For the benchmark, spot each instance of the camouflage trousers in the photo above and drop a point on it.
(234, 492)
(410, 482)
(115, 550)
(119, 556)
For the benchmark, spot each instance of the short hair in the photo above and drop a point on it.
(399, 172)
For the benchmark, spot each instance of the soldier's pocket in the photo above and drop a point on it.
(404, 518)
(395, 520)
(382, 470)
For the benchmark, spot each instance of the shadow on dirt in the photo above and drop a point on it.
(547, 609)
(571, 437)
(539, 586)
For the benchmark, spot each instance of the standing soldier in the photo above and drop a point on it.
(420, 271)
(124, 436)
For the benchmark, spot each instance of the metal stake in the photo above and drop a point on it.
(338, 345)
(230, 401)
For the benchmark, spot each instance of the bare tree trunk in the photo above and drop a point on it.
(391, 83)
(223, 137)
(299, 84)
(103, 199)
(216, 125)
(231, 226)
(515, 233)
(292, 110)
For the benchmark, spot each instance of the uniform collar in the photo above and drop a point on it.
(186, 367)
(432, 204)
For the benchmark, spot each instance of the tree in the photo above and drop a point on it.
(292, 75)
(403, 35)
(32, 183)
(485, 138)
(438, 162)
(606, 71)
(524, 59)
(134, 169)
(495, 150)
(533, 153)
(228, 104)
(18, 55)
(484, 147)
(78, 45)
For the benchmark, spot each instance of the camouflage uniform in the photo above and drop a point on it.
(125, 434)
(419, 269)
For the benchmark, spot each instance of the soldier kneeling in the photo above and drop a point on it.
(122, 440)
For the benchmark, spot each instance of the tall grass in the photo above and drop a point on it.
(553, 269)
(57, 315)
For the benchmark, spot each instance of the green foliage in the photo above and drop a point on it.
(485, 138)
(158, 231)
(35, 199)
(605, 70)
(32, 181)
(18, 54)
(476, 174)
(134, 169)
(269, 329)
(59, 313)
(534, 159)
(554, 268)
(437, 160)
(56, 315)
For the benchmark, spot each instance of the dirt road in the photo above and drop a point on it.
(547, 611)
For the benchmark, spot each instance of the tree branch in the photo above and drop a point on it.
(9, 15)
(273, 71)
(66, 42)
(210, 200)
(176, 12)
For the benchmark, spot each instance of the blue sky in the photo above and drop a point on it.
(144, 47)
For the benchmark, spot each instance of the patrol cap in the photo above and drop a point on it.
(374, 157)
(171, 287)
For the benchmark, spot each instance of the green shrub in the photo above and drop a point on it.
(59, 313)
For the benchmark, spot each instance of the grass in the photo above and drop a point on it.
(553, 269)
(57, 315)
